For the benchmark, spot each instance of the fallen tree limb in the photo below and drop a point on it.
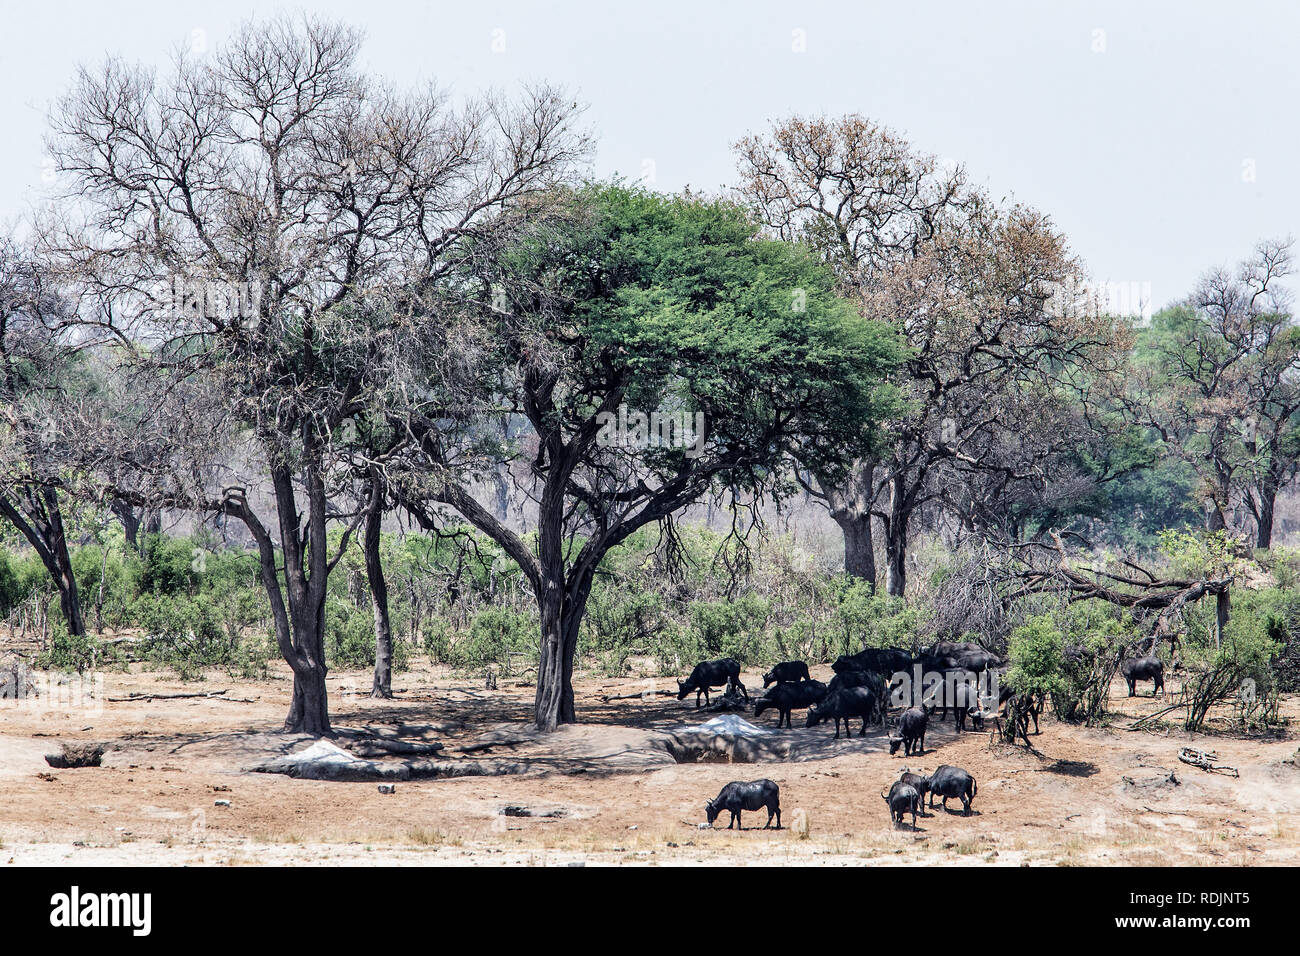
(645, 693)
(1159, 713)
(212, 694)
(1206, 760)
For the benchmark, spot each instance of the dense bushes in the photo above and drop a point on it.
(188, 605)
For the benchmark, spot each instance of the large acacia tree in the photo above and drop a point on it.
(240, 212)
(635, 304)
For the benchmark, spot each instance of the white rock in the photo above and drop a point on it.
(728, 724)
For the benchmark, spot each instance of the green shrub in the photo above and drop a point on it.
(731, 628)
(170, 565)
(69, 652)
(1241, 669)
(868, 619)
(183, 633)
(349, 635)
(1035, 654)
(494, 633)
(436, 634)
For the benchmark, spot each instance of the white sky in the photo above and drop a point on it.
(1141, 151)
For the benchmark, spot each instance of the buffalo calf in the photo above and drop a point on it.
(720, 673)
(790, 695)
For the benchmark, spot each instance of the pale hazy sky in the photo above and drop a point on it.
(1163, 140)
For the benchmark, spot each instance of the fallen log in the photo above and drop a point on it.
(380, 747)
(1206, 760)
(639, 696)
(219, 694)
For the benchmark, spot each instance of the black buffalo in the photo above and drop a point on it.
(720, 673)
(960, 692)
(786, 671)
(738, 795)
(844, 705)
(950, 655)
(903, 798)
(920, 782)
(790, 695)
(911, 731)
(1144, 668)
(950, 781)
(856, 679)
(882, 660)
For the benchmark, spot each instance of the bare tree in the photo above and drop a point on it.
(240, 213)
(1218, 379)
(986, 297)
(39, 358)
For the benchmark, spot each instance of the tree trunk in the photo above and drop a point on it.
(40, 520)
(1214, 519)
(1264, 518)
(849, 503)
(1222, 609)
(896, 538)
(561, 618)
(66, 582)
(130, 522)
(309, 710)
(859, 546)
(383, 683)
(553, 702)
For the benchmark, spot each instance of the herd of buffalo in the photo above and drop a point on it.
(962, 677)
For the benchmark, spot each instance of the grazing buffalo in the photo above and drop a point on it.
(1144, 668)
(882, 660)
(844, 705)
(720, 673)
(950, 781)
(790, 695)
(902, 798)
(787, 671)
(911, 732)
(754, 795)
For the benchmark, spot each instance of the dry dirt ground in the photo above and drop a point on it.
(609, 791)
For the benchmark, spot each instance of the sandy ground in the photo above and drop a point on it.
(607, 791)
